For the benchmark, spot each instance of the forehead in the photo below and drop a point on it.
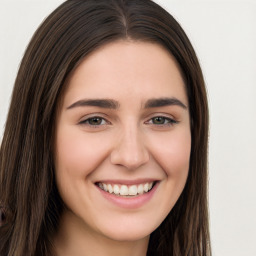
(128, 68)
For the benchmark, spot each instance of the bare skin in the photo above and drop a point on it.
(123, 125)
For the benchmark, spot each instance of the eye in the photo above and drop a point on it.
(161, 120)
(94, 121)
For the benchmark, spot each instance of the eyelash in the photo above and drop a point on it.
(87, 121)
(167, 121)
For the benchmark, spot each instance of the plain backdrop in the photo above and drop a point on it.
(224, 36)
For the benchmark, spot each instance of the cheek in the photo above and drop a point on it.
(172, 153)
(174, 160)
(78, 153)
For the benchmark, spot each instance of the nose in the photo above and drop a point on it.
(130, 150)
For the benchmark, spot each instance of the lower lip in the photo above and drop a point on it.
(129, 202)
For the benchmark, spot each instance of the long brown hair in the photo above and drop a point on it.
(30, 203)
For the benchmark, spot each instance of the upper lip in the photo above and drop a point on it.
(127, 182)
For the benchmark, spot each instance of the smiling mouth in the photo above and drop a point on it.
(126, 190)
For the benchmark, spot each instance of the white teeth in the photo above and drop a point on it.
(140, 189)
(146, 187)
(110, 189)
(133, 190)
(116, 189)
(125, 190)
(105, 187)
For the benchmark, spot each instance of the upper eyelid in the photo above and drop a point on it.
(172, 120)
(93, 115)
(167, 118)
(164, 115)
(87, 119)
(148, 118)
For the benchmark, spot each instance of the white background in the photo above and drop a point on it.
(224, 35)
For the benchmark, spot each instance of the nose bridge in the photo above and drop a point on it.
(130, 150)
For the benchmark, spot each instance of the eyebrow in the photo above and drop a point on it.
(162, 102)
(113, 104)
(102, 103)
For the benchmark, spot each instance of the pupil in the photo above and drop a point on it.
(95, 121)
(159, 120)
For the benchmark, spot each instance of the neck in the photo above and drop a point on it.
(76, 238)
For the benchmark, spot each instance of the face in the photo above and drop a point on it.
(123, 140)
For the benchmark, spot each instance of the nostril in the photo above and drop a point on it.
(129, 157)
(130, 150)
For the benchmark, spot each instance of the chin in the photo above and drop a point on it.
(129, 230)
(128, 235)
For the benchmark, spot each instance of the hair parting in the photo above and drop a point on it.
(30, 202)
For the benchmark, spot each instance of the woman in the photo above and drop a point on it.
(105, 145)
